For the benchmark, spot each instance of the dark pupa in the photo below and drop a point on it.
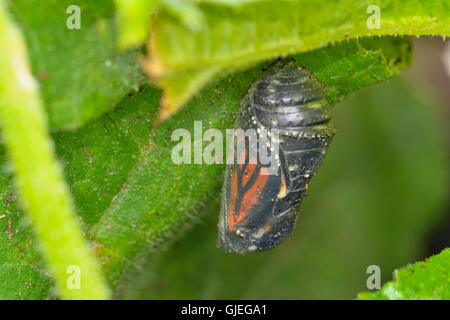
(259, 210)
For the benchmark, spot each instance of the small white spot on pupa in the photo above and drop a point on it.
(258, 234)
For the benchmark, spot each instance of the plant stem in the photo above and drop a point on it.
(39, 179)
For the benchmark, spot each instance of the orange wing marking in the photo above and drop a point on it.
(235, 215)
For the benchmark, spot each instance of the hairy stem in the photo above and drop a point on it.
(39, 179)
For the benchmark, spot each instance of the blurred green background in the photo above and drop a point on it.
(381, 198)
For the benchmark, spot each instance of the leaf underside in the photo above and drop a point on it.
(236, 38)
(130, 197)
(120, 171)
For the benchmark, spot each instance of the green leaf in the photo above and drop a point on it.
(237, 37)
(80, 72)
(423, 280)
(120, 171)
(38, 177)
(141, 216)
(130, 197)
(390, 149)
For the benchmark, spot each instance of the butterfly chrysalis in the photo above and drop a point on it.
(259, 208)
